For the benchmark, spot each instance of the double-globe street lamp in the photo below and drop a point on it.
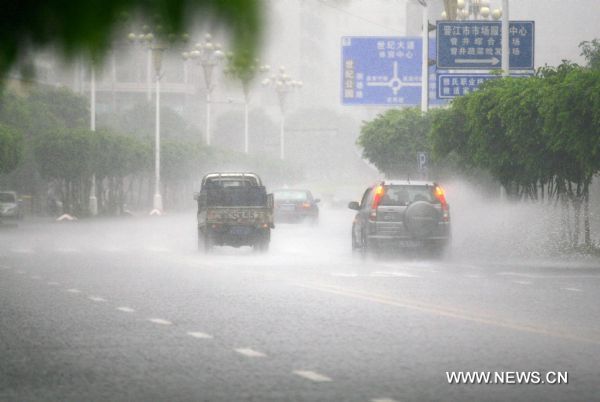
(245, 73)
(473, 9)
(207, 55)
(157, 46)
(283, 84)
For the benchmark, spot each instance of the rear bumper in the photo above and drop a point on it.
(294, 216)
(236, 235)
(397, 232)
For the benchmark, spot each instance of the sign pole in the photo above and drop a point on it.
(425, 62)
(505, 39)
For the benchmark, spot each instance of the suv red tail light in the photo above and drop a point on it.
(441, 197)
(377, 196)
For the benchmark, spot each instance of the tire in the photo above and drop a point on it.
(205, 243)
(261, 245)
(355, 245)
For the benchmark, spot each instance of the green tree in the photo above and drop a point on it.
(11, 148)
(591, 51)
(391, 141)
(88, 27)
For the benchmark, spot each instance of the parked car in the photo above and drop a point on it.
(9, 205)
(295, 206)
(234, 209)
(402, 214)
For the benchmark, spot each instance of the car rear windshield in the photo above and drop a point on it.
(290, 195)
(7, 197)
(406, 194)
(255, 196)
(230, 182)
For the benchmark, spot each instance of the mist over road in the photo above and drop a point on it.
(127, 309)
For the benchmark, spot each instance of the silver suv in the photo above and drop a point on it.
(402, 214)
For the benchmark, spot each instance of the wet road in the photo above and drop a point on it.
(126, 310)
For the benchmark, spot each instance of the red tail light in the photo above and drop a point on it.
(441, 197)
(306, 205)
(379, 192)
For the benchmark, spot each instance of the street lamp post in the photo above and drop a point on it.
(425, 58)
(208, 55)
(157, 53)
(245, 73)
(283, 85)
(156, 47)
(93, 200)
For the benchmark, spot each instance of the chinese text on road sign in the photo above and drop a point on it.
(478, 44)
(453, 85)
(381, 70)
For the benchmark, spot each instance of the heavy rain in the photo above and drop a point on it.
(300, 200)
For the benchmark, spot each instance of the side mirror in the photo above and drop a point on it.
(354, 205)
(317, 200)
(196, 196)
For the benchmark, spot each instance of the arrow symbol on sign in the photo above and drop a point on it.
(493, 61)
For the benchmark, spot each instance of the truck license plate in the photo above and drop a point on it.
(239, 230)
(408, 243)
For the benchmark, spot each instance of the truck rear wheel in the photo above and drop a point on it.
(204, 241)
(261, 244)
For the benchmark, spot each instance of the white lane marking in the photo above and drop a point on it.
(344, 275)
(157, 249)
(383, 400)
(126, 309)
(160, 321)
(548, 276)
(312, 375)
(200, 335)
(249, 352)
(572, 289)
(73, 290)
(110, 249)
(22, 250)
(522, 282)
(20, 272)
(4, 267)
(36, 277)
(388, 274)
(68, 250)
(97, 299)
(52, 283)
(472, 276)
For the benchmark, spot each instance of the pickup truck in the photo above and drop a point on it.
(234, 209)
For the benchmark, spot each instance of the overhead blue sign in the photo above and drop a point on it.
(452, 85)
(477, 45)
(381, 71)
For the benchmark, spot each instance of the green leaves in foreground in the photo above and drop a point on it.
(89, 27)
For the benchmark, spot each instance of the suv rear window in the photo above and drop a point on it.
(405, 194)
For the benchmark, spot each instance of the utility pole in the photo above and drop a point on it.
(505, 39)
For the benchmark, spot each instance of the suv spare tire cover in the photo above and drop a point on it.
(420, 219)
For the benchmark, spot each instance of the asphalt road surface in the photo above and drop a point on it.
(128, 310)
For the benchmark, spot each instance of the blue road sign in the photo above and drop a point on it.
(452, 85)
(477, 45)
(381, 71)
